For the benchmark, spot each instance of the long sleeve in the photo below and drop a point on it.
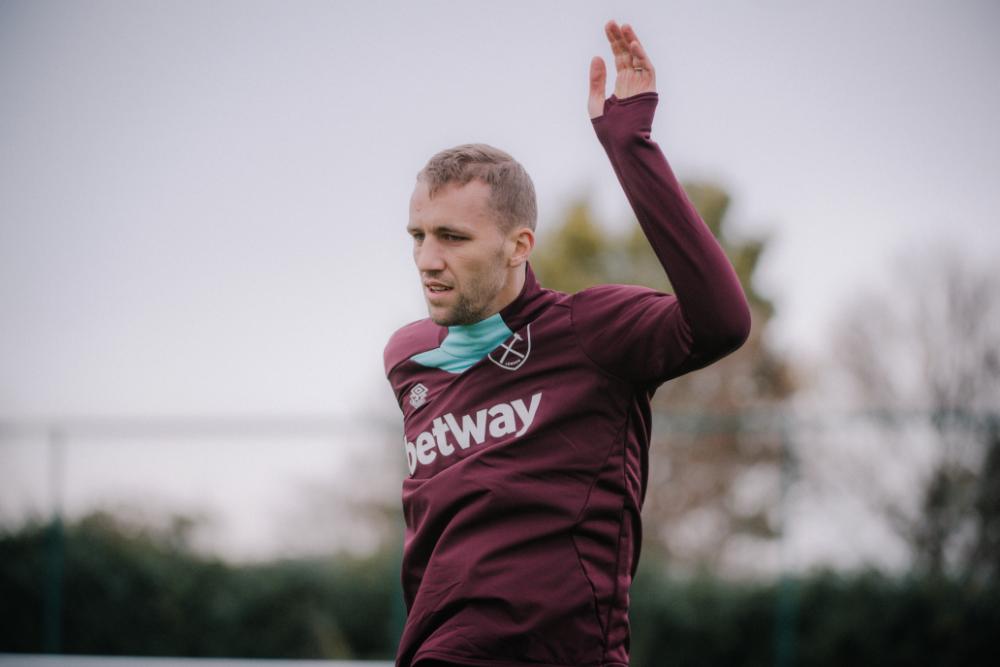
(639, 334)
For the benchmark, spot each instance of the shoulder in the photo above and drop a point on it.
(615, 290)
(611, 312)
(603, 299)
(408, 340)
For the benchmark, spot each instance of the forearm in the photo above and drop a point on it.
(711, 299)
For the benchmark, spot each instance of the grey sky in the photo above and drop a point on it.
(202, 203)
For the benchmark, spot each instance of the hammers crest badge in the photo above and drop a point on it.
(513, 352)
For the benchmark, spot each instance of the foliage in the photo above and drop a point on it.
(923, 361)
(135, 591)
(862, 619)
(130, 590)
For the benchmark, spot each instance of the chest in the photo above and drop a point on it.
(534, 387)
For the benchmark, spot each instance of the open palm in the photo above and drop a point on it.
(634, 71)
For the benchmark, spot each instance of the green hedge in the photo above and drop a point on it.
(126, 590)
(129, 591)
(823, 619)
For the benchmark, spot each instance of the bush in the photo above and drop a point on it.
(130, 590)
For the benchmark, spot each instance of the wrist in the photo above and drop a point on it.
(628, 114)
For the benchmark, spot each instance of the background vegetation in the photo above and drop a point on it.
(130, 591)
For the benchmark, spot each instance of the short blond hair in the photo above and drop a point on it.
(512, 194)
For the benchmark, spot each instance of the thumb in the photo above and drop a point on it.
(598, 78)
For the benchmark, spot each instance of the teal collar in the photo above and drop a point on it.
(465, 345)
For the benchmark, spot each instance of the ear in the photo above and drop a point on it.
(523, 240)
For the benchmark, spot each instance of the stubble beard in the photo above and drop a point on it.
(473, 304)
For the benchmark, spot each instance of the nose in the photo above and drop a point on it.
(428, 257)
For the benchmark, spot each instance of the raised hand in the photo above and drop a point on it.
(634, 71)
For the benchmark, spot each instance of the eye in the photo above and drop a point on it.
(417, 236)
(452, 237)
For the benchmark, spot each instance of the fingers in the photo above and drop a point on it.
(598, 74)
(619, 45)
(626, 47)
(639, 58)
(635, 72)
(636, 52)
(629, 33)
(598, 79)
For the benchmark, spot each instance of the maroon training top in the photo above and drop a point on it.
(526, 437)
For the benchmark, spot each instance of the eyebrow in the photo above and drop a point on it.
(441, 229)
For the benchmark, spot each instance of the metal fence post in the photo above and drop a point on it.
(52, 608)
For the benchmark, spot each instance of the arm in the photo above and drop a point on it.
(636, 334)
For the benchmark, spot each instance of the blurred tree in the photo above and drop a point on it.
(715, 482)
(924, 360)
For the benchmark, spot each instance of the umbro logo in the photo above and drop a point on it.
(513, 352)
(418, 395)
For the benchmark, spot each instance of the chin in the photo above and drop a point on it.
(450, 319)
(442, 318)
(454, 314)
(441, 321)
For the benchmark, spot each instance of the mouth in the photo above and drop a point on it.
(435, 289)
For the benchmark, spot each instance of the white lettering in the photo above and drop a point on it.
(411, 455)
(425, 448)
(503, 424)
(477, 429)
(440, 428)
(527, 416)
(501, 420)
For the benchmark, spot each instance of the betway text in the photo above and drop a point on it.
(447, 431)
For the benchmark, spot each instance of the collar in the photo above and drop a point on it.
(463, 345)
(529, 302)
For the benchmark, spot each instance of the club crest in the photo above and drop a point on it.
(513, 352)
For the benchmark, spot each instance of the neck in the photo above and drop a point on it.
(510, 291)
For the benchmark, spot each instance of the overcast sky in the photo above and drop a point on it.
(202, 204)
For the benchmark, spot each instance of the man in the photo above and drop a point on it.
(526, 411)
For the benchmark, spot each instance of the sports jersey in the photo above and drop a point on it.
(526, 437)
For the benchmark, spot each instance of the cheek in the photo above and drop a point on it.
(476, 266)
